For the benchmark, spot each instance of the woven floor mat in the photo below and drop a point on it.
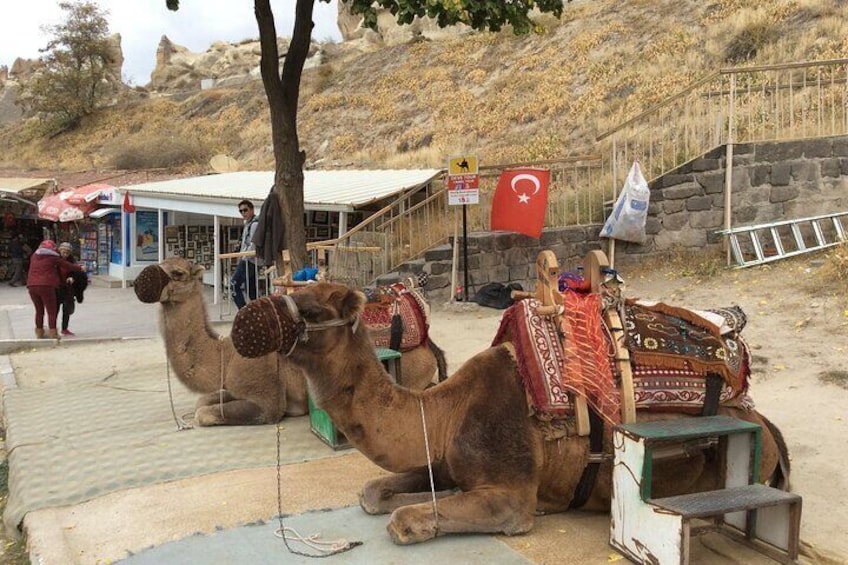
(74, 442)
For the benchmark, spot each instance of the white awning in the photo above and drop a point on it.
(18, 185)
(100, 212)
(343, 190)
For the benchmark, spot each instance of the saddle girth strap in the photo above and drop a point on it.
(712, 395)
(590, 473)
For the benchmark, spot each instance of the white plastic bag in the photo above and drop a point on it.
(628, 217)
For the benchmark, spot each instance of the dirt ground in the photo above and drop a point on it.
(798, 332)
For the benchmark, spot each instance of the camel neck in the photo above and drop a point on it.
(375, 414)
(193, 348)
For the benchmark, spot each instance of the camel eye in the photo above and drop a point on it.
(178, 275)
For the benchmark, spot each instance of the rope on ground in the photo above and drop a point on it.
(181, 424)
(314, 542)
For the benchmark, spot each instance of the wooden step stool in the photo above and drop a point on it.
(658, 530)
(320, 423)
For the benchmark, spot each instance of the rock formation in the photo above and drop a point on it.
(223, 64)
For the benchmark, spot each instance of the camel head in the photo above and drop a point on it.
(279, 323)
(172, 280)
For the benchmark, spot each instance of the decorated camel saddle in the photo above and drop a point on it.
(579, 344)
(397, 315)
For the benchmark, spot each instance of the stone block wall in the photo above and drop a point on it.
(502, 257)
(769, 182)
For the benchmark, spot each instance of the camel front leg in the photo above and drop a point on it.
(491, 510)
(233, 413)
(387, 494)
(211, 398)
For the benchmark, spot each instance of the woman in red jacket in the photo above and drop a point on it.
(47, 271)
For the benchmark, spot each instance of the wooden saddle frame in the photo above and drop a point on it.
(595, 270)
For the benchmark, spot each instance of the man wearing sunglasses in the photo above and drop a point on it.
(247, 269)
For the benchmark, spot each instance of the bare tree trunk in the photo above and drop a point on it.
(282, 92)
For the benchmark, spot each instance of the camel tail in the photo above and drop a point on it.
(780, 477)
(441, 362)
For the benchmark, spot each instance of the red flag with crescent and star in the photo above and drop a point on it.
(127, 205)
(521, 200)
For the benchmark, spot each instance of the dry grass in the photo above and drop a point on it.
(838, 378)
(835, 272)
(158, 152)
(503, 97)
(683, 263)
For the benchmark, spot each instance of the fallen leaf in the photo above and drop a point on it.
(802, 323)
(779, 367)
(613, 557)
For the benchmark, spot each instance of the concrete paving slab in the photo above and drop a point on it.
(259, 544)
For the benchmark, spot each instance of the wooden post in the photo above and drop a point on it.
(728, 168)
(593, 264)
(547, 292)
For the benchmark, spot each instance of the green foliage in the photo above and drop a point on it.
(75, 79)
(489, 15)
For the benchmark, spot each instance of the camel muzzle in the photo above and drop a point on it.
(273, 323)
(266, 325)
(150, 283)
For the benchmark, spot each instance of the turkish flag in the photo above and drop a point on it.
(128, 205)
(520, 202)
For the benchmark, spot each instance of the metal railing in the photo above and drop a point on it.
(733, 105)
(420, 220)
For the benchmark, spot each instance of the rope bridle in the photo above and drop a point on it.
(306, 327)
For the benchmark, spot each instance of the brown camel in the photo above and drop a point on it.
(237, 390)
(493, 469)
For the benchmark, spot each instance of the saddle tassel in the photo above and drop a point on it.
(396, 332)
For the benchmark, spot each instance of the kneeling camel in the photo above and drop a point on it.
(237, 390)
(492, 466)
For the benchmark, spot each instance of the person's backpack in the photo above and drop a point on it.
(496, 295)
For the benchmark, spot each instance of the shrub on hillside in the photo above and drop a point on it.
(749, 41)
(159, 153)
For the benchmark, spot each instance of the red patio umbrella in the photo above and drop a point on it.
(87, 194)
(57, 207)
(71, 204)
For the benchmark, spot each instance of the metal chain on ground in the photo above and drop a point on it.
(429, 465)
(326, 548)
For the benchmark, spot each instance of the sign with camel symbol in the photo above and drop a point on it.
(463, 180)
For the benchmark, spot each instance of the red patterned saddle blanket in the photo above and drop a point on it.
(672, 350)
(403, 303)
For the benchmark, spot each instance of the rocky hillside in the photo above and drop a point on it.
(414, 96)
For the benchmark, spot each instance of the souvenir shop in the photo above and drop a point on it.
(197, 218)
(19, 215)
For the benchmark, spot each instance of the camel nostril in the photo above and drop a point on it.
(149, 284)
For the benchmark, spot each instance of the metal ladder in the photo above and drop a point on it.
(764, 243)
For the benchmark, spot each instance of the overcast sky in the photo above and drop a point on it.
(142, 23)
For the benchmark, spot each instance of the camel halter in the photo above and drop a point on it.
(306, 327)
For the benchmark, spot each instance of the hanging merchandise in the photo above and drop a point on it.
(628, 217)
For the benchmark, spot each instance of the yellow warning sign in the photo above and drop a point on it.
(463, 165)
